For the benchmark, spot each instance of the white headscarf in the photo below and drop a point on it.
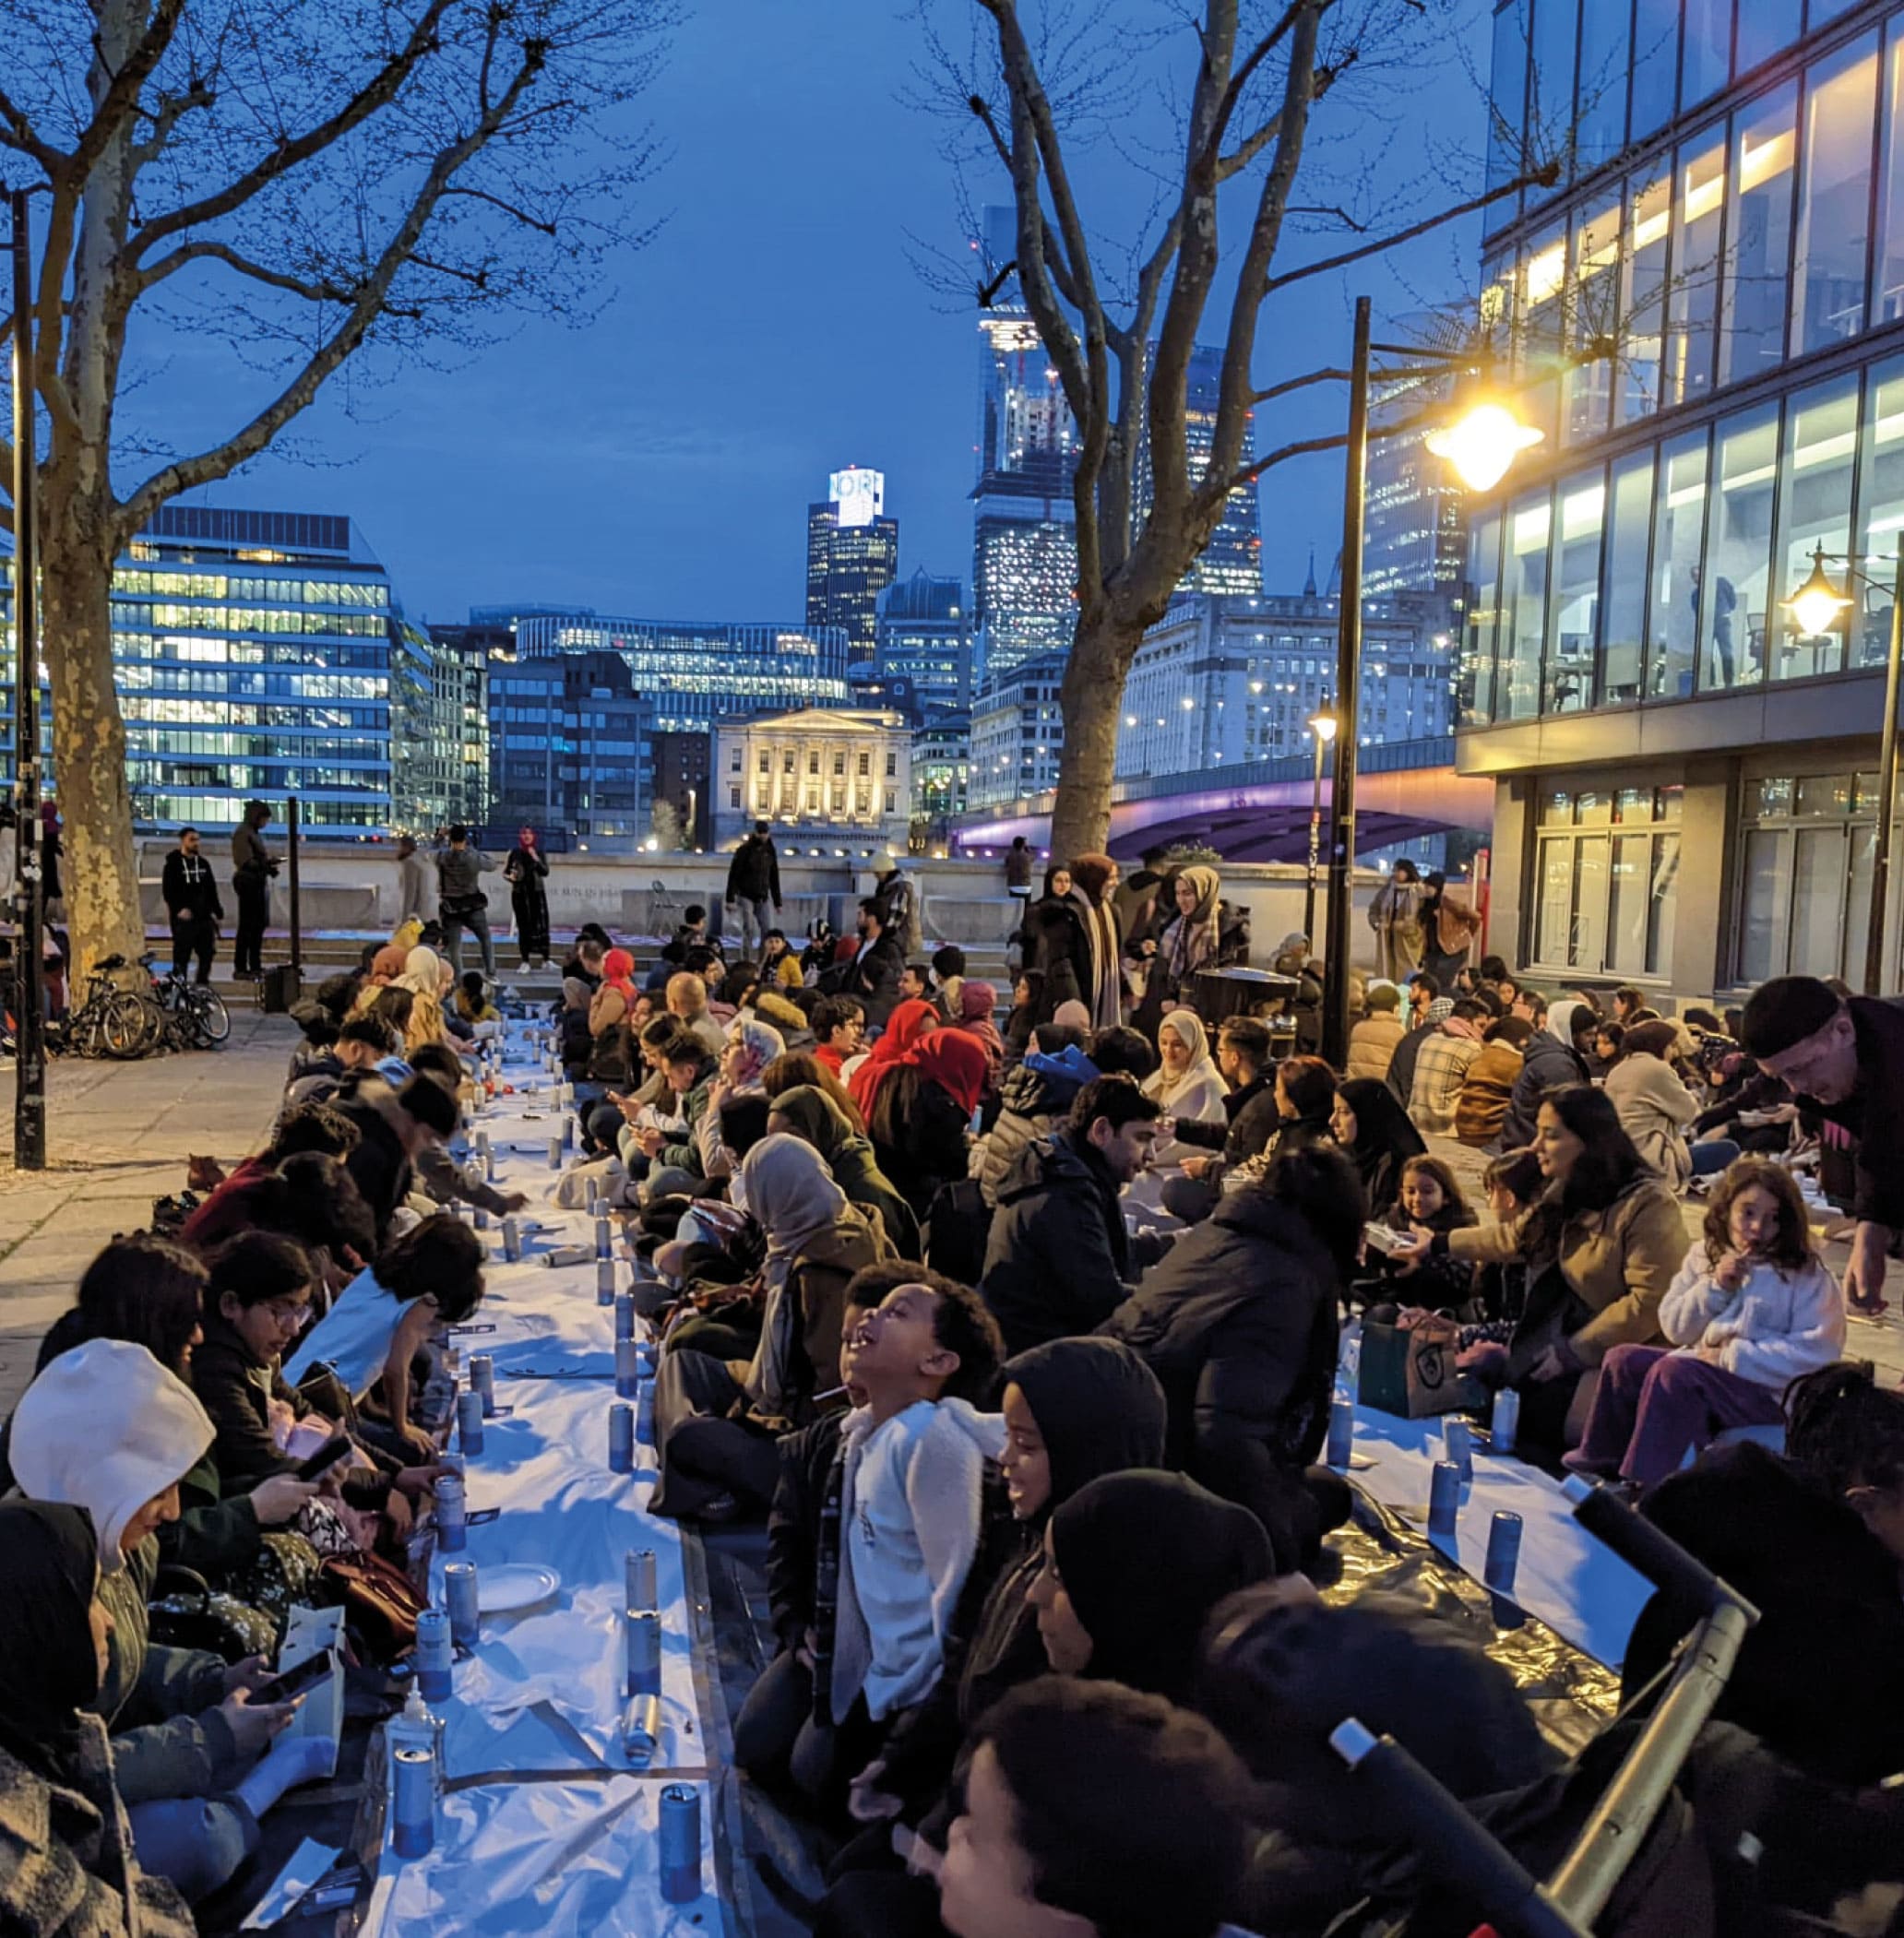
(1201, 1070)
(1560, 1019)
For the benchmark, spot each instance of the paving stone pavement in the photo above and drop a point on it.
(118, 1136)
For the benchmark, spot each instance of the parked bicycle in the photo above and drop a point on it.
(192, 1015)
(107, 1021)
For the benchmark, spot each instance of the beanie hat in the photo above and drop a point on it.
(1384, 996)
(105, 1427)
(1785, 1011)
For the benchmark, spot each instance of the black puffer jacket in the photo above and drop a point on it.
(1545, 1064)
(1060, 951)
(1058, 1256)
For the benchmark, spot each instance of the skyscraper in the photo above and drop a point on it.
(1233, 561)
(925, 637)
(852, 554)
(1415, 538)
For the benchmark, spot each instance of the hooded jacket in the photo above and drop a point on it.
(754, 875)
(1548, 1061)
(1035, 1096)
(1057, 1257)
(1372, 1044)
(1238, 1322)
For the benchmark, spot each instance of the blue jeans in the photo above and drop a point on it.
(1714, 1157)
(197, 1843)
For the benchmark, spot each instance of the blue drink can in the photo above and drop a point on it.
(1444, 1497)
(627, 1369)
(452, 1524)
(604, 1281)
(470, 1422)
(1505, 1420)
(604, 1237)
(624, 1316)
(1503, 1552)
(554, 1153)
(483, 1381)
(641, 1730)
(512, 1240)
(413, 1825)
(459, 1597)
(679, 1842)
(644, 1414)
(1342, 1432)
(479, 1218)
(1457, 1437)
(435, 1658)
(642, 1629)
(621, 1437)
(640, 1566)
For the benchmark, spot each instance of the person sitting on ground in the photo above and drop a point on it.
(310, 1127)
(1488, 1089)
(1549, 1058)
(1058, 1256)
(443, 1182)
(674, 1158)
(395, 1128)
(1630, 1007)
(1376, 1130)
(362, 1044)
(714, 1422)
(909, 1022)
(472, 1004)
(1752, 1309)
(1655, 1108)
(751, 1047)
(1305, 1099)
(687, 1003)
(921, 1112)
(425, 975)
(312, 1200)
(1251, 1115)
(1027, 992)
(1429, 1202)
(1092, 1812)
(1425, 1006)
(948, 979)
(916, 986)
(690, 933)
(801, 1069)
(106, 1428)
(779, 965)
(972, 1012)
(808, 1113)
(1512, 1182)
(66, 1860)
(1186, 1083)
(1373, 1041)
(909, 1477)
(839, 1030)
(1033, 1100)
(871, 972)
(1602, 1246)
(1238, 1322)
(1441, 1068)
(431, 1277)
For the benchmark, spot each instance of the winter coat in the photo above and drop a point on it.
(1655, 1109)
(754, 875)
(794, 1525)
(1238, 1322)
(1372, 1044)
(1779, 1326)
(1486, 1091)
(1035, 1096)
(1059, 948)
(929, 1147)
(873, 978)
(1252, 1119)
(235, 1389)
(1057, 1258)
(1441, 1070)
(1873, 1113)
(378, 1164)
(251, 859)
(189, 888)
(1546, 1063)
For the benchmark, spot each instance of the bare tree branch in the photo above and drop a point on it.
(205, 250)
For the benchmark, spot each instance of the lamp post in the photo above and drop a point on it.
(29, 1060)
(1818, 606)
(1482, 441)
(1323, 727)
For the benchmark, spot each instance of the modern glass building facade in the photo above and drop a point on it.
(570, 746)
(1732, 225)
(925, 638)
(1233, 561)
(852, 556)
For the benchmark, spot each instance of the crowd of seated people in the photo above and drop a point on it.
(1022, 1338)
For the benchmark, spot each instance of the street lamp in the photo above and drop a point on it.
(1322, 726)
(1482, 442)
(1818, 606)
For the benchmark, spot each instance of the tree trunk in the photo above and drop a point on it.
(1092, 697)
(100, 877)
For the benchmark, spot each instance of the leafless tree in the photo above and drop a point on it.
(1253, 82)
(301, 183)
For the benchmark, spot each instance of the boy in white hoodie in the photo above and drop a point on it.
(913, 1459)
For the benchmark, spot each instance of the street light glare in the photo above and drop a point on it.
(1323, 725)
(1816, 604)
(1483, 442)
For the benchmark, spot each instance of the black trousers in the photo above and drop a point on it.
(191, 938)
(704, 1453)
(254, 912)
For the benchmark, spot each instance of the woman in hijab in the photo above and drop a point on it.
(1095, 879)
(1379, 1134)
(74, 1870)
(1134, 1562)
(1189, 943)
(921, 1115)
(751, 1046)
(1187, 1082)
(807, 1111)
(423, 976)
(909, 1021)
(716, 1431)
(385, 966)
(977, 1001)
(525, 870)
(1058, 949)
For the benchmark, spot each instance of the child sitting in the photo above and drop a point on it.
(912, 1467)
(472, 1004)
(1751, 1309)
(1430, 1202)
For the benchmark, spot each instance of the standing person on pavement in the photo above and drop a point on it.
(1018, 883)
(526, 870)
(1395, 914)
(753, 881)
(252, 865)
(192, 900)
(416, 886)
(1094, 877)
(1843, 1059)
(460, 872)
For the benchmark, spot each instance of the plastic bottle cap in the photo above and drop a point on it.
(1351, 1740)
(1578, 1489)
(413, 1708)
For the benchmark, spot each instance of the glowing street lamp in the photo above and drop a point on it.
(1483, 442)
(1322, 726)
(1816, 604)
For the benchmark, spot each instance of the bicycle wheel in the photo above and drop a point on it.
(129, 1027)
(210, 1021)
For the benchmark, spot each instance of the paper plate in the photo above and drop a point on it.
(515, 1585)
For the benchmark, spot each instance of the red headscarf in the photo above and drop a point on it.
(908, 1022)
(618, 972)
(954, 1060)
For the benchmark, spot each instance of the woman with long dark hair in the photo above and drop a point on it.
(1449, 929)
(1601, 1244)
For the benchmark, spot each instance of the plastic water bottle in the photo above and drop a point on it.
(1348, 1361)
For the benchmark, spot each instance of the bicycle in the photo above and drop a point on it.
(108, 1021)
(192, 1014)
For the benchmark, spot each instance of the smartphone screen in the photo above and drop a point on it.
(293, 1682)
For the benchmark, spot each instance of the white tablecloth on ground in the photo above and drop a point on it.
(1580, 1588)
(570, 1848)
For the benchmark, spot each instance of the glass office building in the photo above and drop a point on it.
(1683, 776)
(570, 743)
(852, 556)
(925, 639)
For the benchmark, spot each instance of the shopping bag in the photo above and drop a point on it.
(1411, 1373)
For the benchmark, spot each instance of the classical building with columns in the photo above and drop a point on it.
(836, 776)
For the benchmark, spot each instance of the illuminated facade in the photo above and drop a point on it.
(1633, 681)
(1415, 525)
(1233, 561)
(818, 772)
(570, 745)
(942, 768)
(852, 556)
(698, 671)
(925, 638)
(1017, 733)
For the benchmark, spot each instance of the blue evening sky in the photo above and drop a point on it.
(660, 460)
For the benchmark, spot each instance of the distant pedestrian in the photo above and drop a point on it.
(416, 886)
(753, 882)
(1018, 871)
(526, 870)
(192, 900)
(460, 872)
(252, 865)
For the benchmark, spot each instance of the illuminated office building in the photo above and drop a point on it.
(852, 556)
(1415, 529)
(816, 773)
(1233, 561)
(925, 638)
(1685, 778)
(1017, 733)
(570, 746)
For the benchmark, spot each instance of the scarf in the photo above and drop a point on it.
(1193, 937)
(908, 1022)
(422, 972)
(957, 1063)
(791, 1195)
(756, 1045)
(976, 1002)
(1187, 1024)
(618, 974)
